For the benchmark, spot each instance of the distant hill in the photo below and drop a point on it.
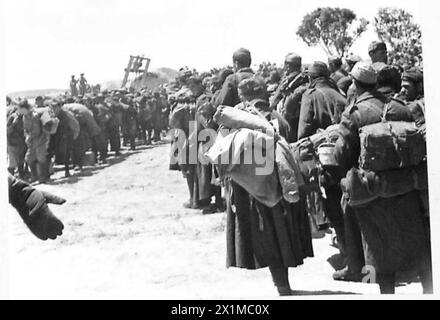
(30, 94)
(154, 79)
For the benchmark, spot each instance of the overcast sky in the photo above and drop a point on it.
(48, 40)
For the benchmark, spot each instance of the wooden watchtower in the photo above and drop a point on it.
(137, 65)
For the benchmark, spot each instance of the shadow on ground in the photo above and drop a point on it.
(111, 160)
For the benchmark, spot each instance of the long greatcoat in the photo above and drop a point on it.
(393, 228)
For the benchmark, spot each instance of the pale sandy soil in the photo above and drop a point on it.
(128, 236)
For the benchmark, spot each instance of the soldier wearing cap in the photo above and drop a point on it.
(182, 115)
(322, 103)
(321, 106)
(16, 144)
(217, 83)
(292, 69)
(377, 50)
(412, 85)
(253, 94)
(157, 116)
(38, 125)
(386, 79)
(287, 98)
(73, 86)
(383, 221)
(39, 102)
(273, 246)
(200, 175)
(62, 142)
(82, 85)
(228, 95)
(335, 68)
(128, 121)
(412, 93)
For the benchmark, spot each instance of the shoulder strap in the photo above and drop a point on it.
(421, 106)
(385, 111)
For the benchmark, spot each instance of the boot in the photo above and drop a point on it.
(346, 275)
(34, 172)
(43, 172)
(387, 282)
(21, 172)
(280, 277)
(426, 280)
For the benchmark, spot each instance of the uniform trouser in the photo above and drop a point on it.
(68, 152)
(280, 276)
(36, 157)
(16, 159)
(114, 137)
(99, 145)
(193, 185)
(334, 213)
(354, 251)
(146, 129)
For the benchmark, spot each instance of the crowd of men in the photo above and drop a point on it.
(61, 129)
(390, 234)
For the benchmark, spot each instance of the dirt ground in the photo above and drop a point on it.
(127, 236)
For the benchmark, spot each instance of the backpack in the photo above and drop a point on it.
(390, 145)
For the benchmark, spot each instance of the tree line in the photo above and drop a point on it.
(336, 29)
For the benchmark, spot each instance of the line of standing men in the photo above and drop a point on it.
(64, 128)
(391, 234)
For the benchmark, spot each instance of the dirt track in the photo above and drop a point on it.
(128, 236)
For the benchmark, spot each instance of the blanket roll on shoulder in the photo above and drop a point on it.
(234, 118)
(84, 117)
(48, 120)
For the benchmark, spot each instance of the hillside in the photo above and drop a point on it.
(35, 93)
(157, 77)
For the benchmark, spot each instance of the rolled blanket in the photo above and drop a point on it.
(234, 118)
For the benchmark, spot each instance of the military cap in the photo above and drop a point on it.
(319, 69)
(377, 45)
(292, 58)
(242, 54)
(24, 104)
(194, 80)
(335, 60)
(364, 72)
(413, 74)
(53, 102)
